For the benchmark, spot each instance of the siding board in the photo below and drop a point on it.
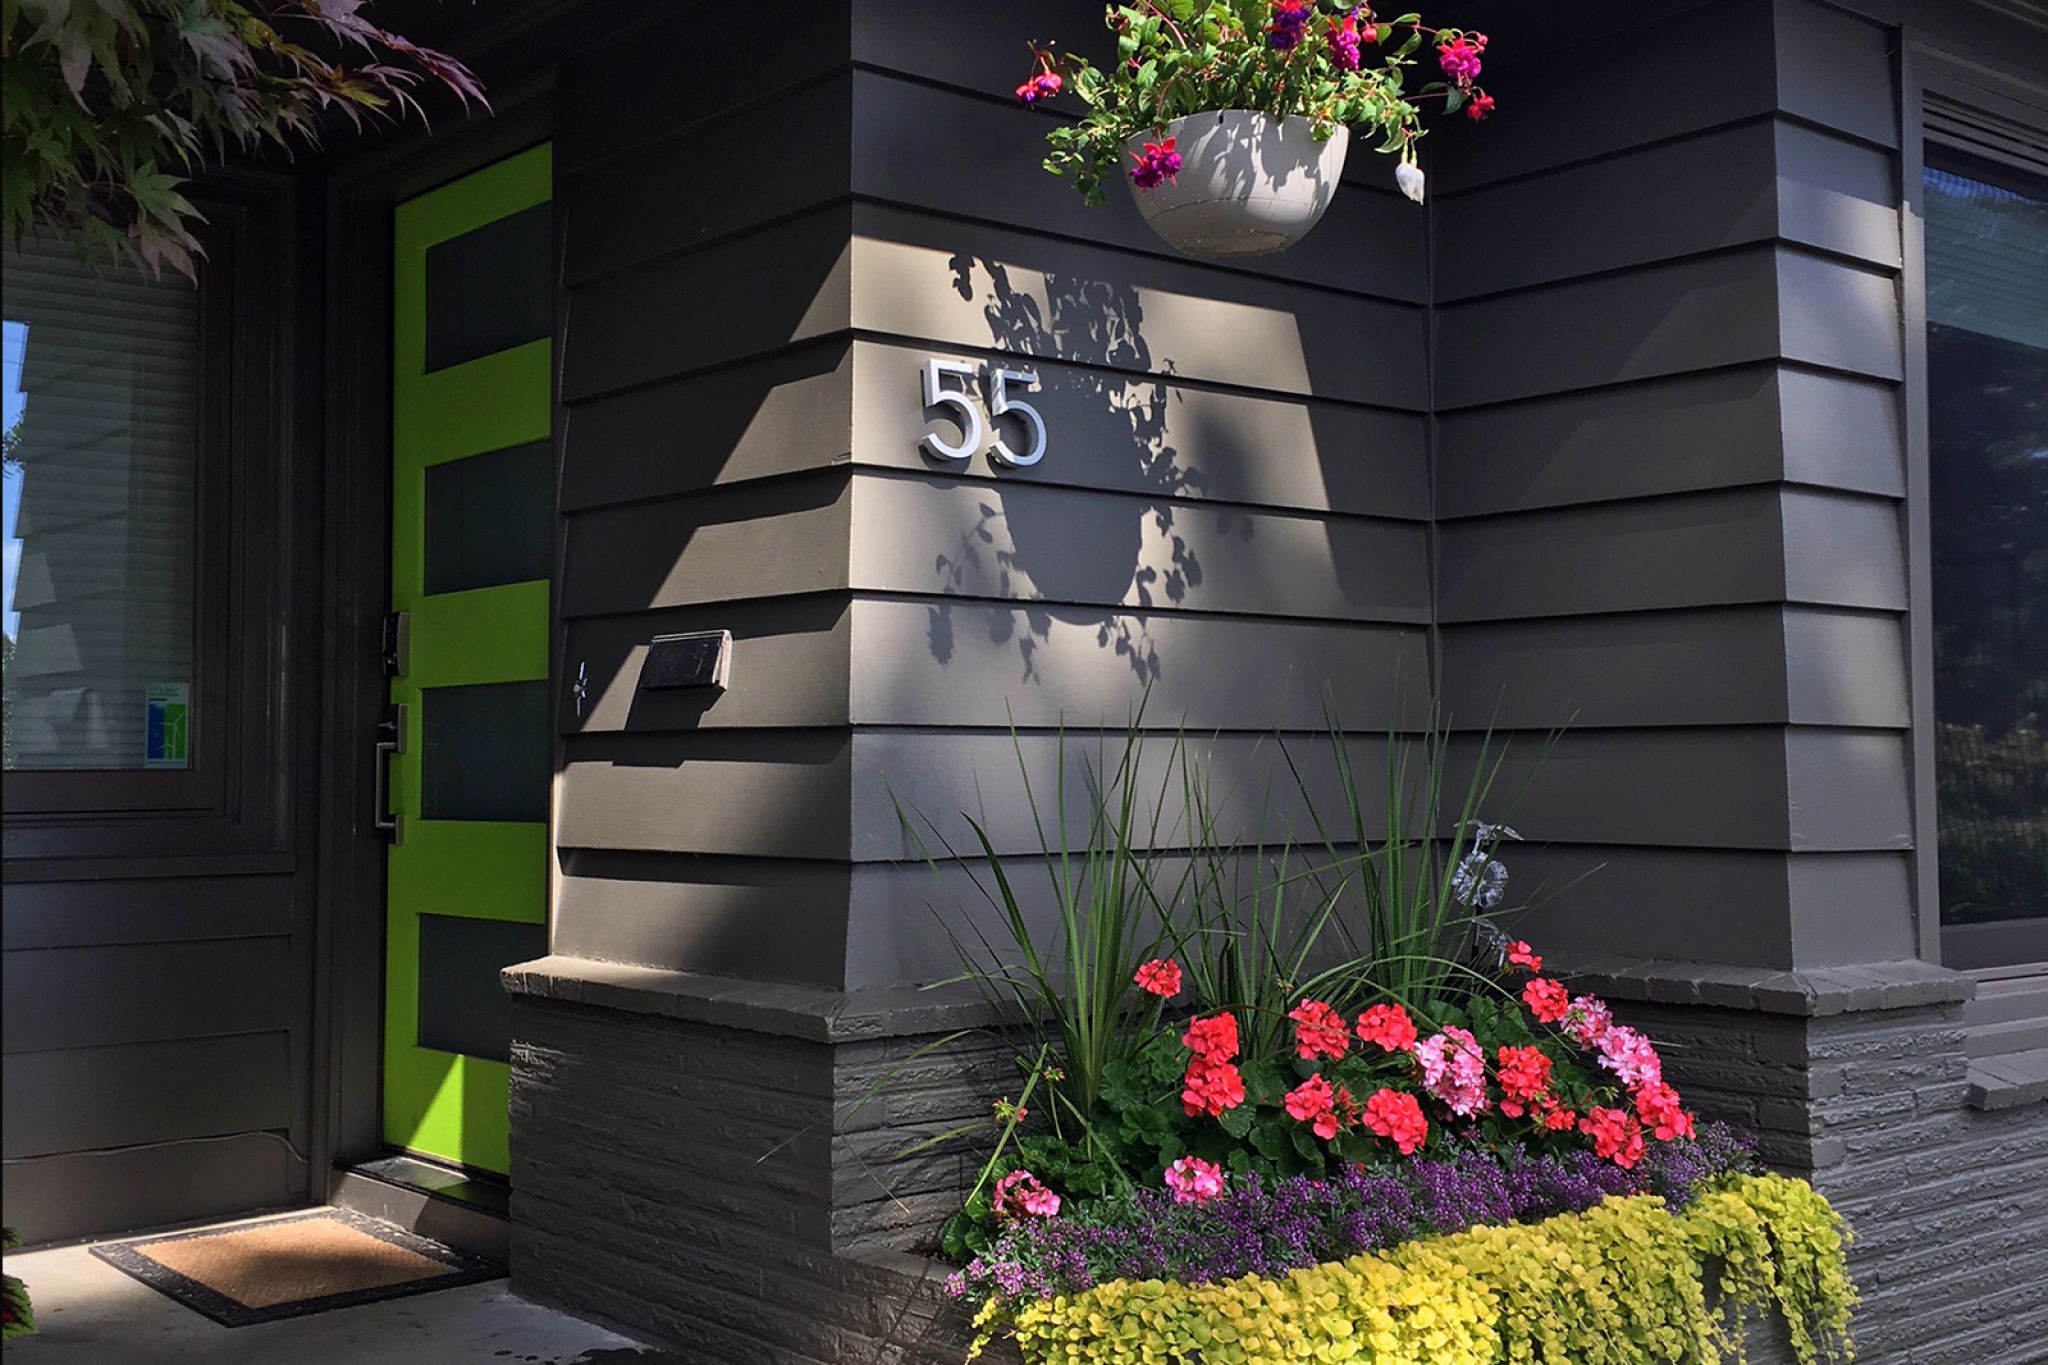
(104, 1193)
(169, 910)
(1031, 542)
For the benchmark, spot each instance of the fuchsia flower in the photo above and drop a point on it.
(1157, 164)
(1318, 1031)
(1454, 1069)
(1460, 57)
(1021, 1194)
(1160, 977)
(1344, 41)
(1395, 1115)
(1042, 86)
(1547, 1000)
(1289, 24)
(1194, 1181)
(1313, 1102)
(1480, 106)
(1389, 1026)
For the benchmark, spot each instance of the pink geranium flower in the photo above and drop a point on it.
(1630, 1056)
(1022, 1194)
(1395, 1115)
(1389, 1026)
(1454, 1069)
(1194, 1181)
(1161, 977)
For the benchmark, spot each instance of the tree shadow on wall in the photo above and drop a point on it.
(1105, 559)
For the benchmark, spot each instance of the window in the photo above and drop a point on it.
(101, 423)
(1986, 236)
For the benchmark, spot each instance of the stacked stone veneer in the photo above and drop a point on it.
(1855, 1079)
(711, 1165)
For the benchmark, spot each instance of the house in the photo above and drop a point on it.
(1705, 402)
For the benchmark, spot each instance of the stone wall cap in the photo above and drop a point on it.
(1808, 991)
(816, 1013)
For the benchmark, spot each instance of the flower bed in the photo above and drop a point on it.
(1625, 1281)
(1422, 1150)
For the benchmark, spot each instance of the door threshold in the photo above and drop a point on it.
(466, 1211)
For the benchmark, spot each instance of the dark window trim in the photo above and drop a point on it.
(1971, 111)
(235, 799)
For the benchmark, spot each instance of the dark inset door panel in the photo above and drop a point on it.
(489, 289)
(463, 1008)
(490, 518)
(486, 754)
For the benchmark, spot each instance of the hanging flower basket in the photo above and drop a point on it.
(1249, 184)
(1231, 119)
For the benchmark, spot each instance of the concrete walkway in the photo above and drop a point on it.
(91, 1314)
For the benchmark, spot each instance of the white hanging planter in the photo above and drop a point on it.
(1249, 184)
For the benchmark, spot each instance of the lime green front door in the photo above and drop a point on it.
(472, 515)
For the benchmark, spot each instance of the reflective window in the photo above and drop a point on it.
(1987, 370)
(101, 389)
(463, 1008)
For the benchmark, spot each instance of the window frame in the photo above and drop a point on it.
(234, 799)
(1987, 116)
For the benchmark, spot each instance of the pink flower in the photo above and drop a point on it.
(1524, 1073)
(1630, 1056)
(1043, 85)
(1395, 1115)
(1547, 1000)
(1160, 977)
(1020, 1194)
(1389, 1026)
(1520, 954)
(1210, 1087)
(1313, 1102)
(1587, 1019)
(1616, 1135)
(1454, 1069)
(1318, 1031)
(1344, 42)
(1157, 164)
(1460, 57)
(1193, 1180)
(1212, 1037)
(1657, 1105)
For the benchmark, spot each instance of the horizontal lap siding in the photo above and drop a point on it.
(1670, 472)
(156, 1048)
(1233, 508)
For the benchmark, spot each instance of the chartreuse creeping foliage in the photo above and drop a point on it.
(1624, 1282)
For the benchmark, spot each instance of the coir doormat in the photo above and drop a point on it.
(289, 1267)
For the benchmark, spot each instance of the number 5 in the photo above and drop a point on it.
(1000, 404)
(971, 432)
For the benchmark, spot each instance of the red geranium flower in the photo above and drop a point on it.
(1318, 1031)
(1524, 1072)
(1616, 1135)
(1658, 1107)
(1547, 1000)
(1389, 1026)
(1160, 977)
(1212, 1038)
(1210, 1087)
(1313, 1102)
(1520, 954)
(1396, 1116)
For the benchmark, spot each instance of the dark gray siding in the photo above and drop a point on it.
(1670, 480)
(1234, 505)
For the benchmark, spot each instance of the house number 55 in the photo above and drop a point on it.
(974, 429)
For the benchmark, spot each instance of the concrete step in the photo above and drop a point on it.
(2013, 1035)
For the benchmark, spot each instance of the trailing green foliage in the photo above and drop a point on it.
(17, 1316)
(110, 104)
(1625, 1283)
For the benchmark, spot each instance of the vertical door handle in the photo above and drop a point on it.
(390, 743)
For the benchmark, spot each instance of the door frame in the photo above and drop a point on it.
(348, 986)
